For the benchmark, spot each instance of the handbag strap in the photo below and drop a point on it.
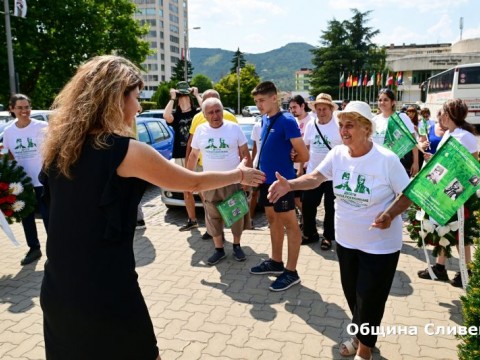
(272, 122)
(321, 135)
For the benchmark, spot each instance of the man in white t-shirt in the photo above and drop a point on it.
(321, 135)
(222, 145)
(23, 139)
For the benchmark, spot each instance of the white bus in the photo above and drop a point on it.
(463, 82)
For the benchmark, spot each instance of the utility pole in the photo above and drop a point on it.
(11, 66)
(185, 42)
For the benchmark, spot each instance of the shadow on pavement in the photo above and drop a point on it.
(143, 249)
(237, 283)
(20, 289)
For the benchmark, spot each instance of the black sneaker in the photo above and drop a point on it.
(207, 236)
(216, 257)
(457, 279)
(238, 253)
(268, 267)
(140, 225)
(191, 224)
(31, 256)
(285, 281)
(441, 274)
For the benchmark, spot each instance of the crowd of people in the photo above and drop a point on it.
(312, 152)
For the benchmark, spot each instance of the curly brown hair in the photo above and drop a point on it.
(90, 104)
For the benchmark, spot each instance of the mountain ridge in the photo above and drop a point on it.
(278, 65)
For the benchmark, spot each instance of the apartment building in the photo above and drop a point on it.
(168, 37)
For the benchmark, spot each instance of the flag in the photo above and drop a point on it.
(400, 78)
(342, 80)
(382, 82)
(365, 79)
(379, 83)
(389, 79)
(360, 80)
(349, 81)
(372, 80)
(355, 81)
(20, 8)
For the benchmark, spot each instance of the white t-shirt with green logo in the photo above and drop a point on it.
(381, 124)
(364, 187)
(219, 146)
(318, 149)
(25, 145)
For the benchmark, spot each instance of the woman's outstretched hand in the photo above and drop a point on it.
(278, 188)
(250, 176)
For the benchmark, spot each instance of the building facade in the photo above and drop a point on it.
(302, 79)
(167, 36)
(419, 62)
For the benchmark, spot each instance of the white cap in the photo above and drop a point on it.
(359, 107)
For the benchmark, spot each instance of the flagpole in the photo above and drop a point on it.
(11, 66)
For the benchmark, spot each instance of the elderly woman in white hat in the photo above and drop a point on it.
(366, 180)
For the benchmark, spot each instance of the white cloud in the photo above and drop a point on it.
(423, 6)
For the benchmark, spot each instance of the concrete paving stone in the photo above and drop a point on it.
(202, 336)
(438, 353)
(243, 353)
(311, 345)
(239, 336)
(5, 347)
(287, 336)
(292, 351)
(170, 354)
(26, 345)
(263, 343)
(192, 351)
(15, 338)
(270, 355)
(216, 345)
(173, 328)
(217, 327)
(248, 320)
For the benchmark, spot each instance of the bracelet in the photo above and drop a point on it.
(241, 173)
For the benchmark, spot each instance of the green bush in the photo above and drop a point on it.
(148, 105)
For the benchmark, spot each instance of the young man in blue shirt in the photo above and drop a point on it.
(281, 146)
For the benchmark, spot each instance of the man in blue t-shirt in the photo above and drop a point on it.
(281, 146)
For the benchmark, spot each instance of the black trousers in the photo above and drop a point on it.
(366, 282)
(310, 201)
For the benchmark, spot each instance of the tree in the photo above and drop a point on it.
(227, 87)
(178, 72)
(202, 82)
(57, 36)
(162, 94)
(238, 60)
(346, 46)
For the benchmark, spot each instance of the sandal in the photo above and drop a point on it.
(358, 357)
(348, 347)
(326, 244)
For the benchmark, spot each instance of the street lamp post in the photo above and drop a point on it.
(185, 42)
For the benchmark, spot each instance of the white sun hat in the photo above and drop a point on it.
(359, 107)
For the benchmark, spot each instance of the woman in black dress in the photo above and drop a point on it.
(94, 177)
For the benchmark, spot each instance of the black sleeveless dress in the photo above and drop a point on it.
(91, 301)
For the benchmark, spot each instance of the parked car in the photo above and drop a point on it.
(42, 115)
(157, 113)
(172, 198)
(5, 116)
(156, 133)
(229, 109)
(250, 110)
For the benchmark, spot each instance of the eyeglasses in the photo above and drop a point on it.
(22, 107)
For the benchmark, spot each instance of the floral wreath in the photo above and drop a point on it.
(443, 237)
(17, 196)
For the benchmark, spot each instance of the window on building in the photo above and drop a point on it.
(174, 29)
(174, 39)
(173, 8)
(174, 49)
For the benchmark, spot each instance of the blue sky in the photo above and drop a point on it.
(258, 26)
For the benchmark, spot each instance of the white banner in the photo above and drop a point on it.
(20, 8)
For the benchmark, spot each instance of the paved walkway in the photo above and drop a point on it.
(223, 312)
